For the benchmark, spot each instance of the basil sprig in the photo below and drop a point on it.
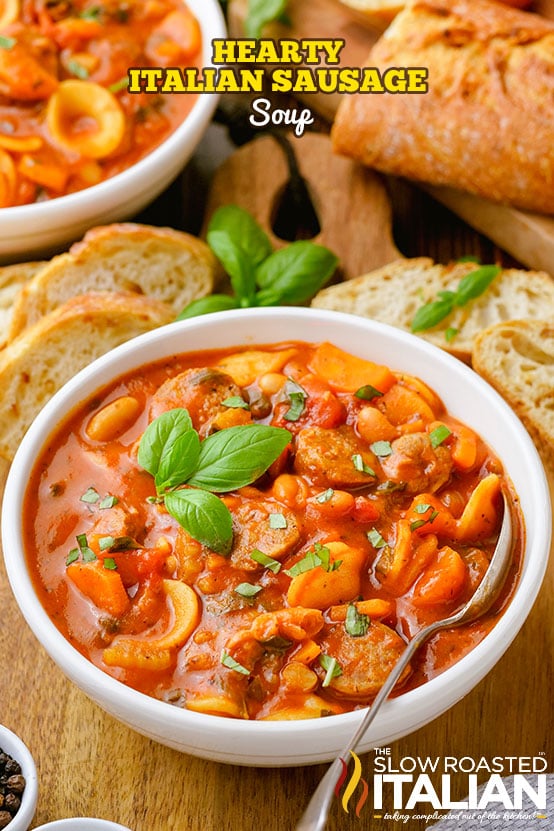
(261, 12)
(171, 451)
(470, 287)
(259, 275)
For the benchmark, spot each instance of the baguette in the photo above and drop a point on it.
(379, 12)
(517, 359)
(169, 265)
(394, 293)
(45, 356)
(485, 123)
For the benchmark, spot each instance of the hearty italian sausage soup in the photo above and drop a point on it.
(66, 118)
(255, 533)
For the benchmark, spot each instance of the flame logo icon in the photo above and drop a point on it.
(352, 784)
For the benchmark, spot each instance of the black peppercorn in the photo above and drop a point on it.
(12, 785)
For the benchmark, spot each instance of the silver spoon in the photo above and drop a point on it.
(315, 815)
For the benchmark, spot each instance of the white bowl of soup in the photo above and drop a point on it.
(77, 149)
(240, 519)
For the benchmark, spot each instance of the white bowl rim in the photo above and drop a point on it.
(471, 666)
(78, 823)
(204, 10)
(15, 747)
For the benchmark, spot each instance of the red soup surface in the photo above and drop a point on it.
(255, 533)
(66, 119)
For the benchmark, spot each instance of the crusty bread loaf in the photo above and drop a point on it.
(35, 365)
(12, 280)
(517, 358)
(169, 265)
(485, 125)
(379, 12)
(394, 293)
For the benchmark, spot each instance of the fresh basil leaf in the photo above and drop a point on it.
(110, 564)
(297, 397)
(432, 313)
(294, 274)
(240, 245)
(475, 283)
(235, 402)
(247, 590)
(261, 12)
(206, 518)
(368, 392)
(332, 669)
(159, 437)
(265, 561)
(237, 456)
(178, 461)
(469, 258)
(439, 434)
(230, 663)
(450, 334)
(207, 305)
(356, 624)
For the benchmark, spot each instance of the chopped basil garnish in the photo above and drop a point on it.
(297, 397)
(263, 560)
(320, 556)
(376, 539)
(236, 402)
(277, 520)
(325, 496)
(230, 663)
(86, 553)
(110, 564)
(439, 434)
(92, 13)
(368, 392)
(247, 590)
(381, 448)
(90, 495)
(331, 667)
(356, 624)
(120, 85)
(417, 524)
(390, 487)
(6, 42)
(360, 465)
(72, 556)
(118, 544)
(108, 501)
(77, 69)
(422, 508)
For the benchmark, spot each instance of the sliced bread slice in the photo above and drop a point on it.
(394, 293)
(12, 280)
(169, 265)
(35, 365)
(517, 359)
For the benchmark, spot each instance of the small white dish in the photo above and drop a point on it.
(14, 747)
(82, 824)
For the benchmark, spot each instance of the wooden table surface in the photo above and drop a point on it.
(89, 764)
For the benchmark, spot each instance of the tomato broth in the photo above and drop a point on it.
(255, 533)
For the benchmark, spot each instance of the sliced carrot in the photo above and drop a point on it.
(464, 449)
(422, 389)
(375, 608)
(435, 519)
(442, 581)
(319, 589)
(101, 585)
(43, 173)
(307, 652)
(480, 517)
(402, 405)
(348, 373)
(399, 567)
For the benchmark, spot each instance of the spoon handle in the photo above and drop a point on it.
(315, 815)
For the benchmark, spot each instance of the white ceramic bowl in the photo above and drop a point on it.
(14, 747)
(81, 824)
(28, 231)
(308, 741)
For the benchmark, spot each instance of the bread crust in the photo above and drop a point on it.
(485, 124)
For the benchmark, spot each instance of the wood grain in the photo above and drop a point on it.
(526, 236)
(353, 208)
